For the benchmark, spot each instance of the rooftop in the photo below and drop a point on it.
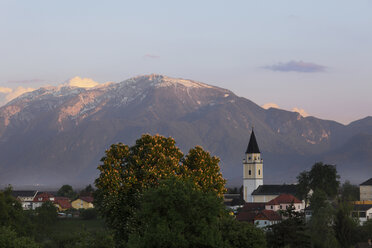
(276, 189)
(368, 182)
(284, 198)
(252, 145)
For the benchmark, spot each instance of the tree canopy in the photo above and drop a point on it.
(321, 177)
(127, 171)
(177, 214)
(67, 191)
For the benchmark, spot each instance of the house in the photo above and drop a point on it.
(255, 213)
(253, 188)
(363, 212)
(26, 197)
(62, 203)
(267, 218)
(83, 202)
(366, 190)
(41, 198)
(283, 201)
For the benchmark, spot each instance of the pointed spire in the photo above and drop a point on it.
(252, 145)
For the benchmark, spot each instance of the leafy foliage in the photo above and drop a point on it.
(10, 239)
(345, 226)
(291, 232)
(349, 192)
(177, 214)
(12, 214)
(321, 177)
(88, 214)
(67, 191)
(237, 234)
(321, 223)
(127, 171)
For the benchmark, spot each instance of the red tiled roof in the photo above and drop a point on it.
(87, 198)
(63, 202)
(43, 197)
(284, 199)
(268, 215)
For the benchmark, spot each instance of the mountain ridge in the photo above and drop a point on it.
(65, 130)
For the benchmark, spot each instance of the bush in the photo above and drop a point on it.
(88, 214)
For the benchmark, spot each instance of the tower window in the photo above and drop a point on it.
(259, 172)
(249, 158)
(249, 172)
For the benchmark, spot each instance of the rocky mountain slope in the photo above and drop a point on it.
(58, 134)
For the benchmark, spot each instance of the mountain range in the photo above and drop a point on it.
(56, 135)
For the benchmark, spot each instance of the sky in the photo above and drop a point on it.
(311, 56)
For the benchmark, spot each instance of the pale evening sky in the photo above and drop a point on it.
(314, 55)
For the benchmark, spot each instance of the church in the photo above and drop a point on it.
(254, 190)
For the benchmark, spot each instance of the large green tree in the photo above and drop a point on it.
(12, 215)
(177, 214)
(321, 177)
(127, 171)
(345, 225)
(321, 223)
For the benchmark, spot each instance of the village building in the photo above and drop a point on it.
(41, 198)
(363, 212)
(84, 202)
(26, 197)
(267, 218)
(283, 202)
(366, 190)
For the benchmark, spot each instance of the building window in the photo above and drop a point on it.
(249, 158)
(281, 207)
(259, 172)
(249, 172)
(271, 207)
(265, 222)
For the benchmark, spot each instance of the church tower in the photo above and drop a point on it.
(252, 169)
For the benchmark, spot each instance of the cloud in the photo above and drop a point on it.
(297, 66)
(8, 94)
(151, 56)
(82, 82)
(5, 90)
(300, 111)
(270, 105)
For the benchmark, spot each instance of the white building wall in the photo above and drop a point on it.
(249, 186)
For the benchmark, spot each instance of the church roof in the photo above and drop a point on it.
(268, 189)
(368, 182)
(252, 145)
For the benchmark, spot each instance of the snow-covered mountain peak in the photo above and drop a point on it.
(158, 81)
